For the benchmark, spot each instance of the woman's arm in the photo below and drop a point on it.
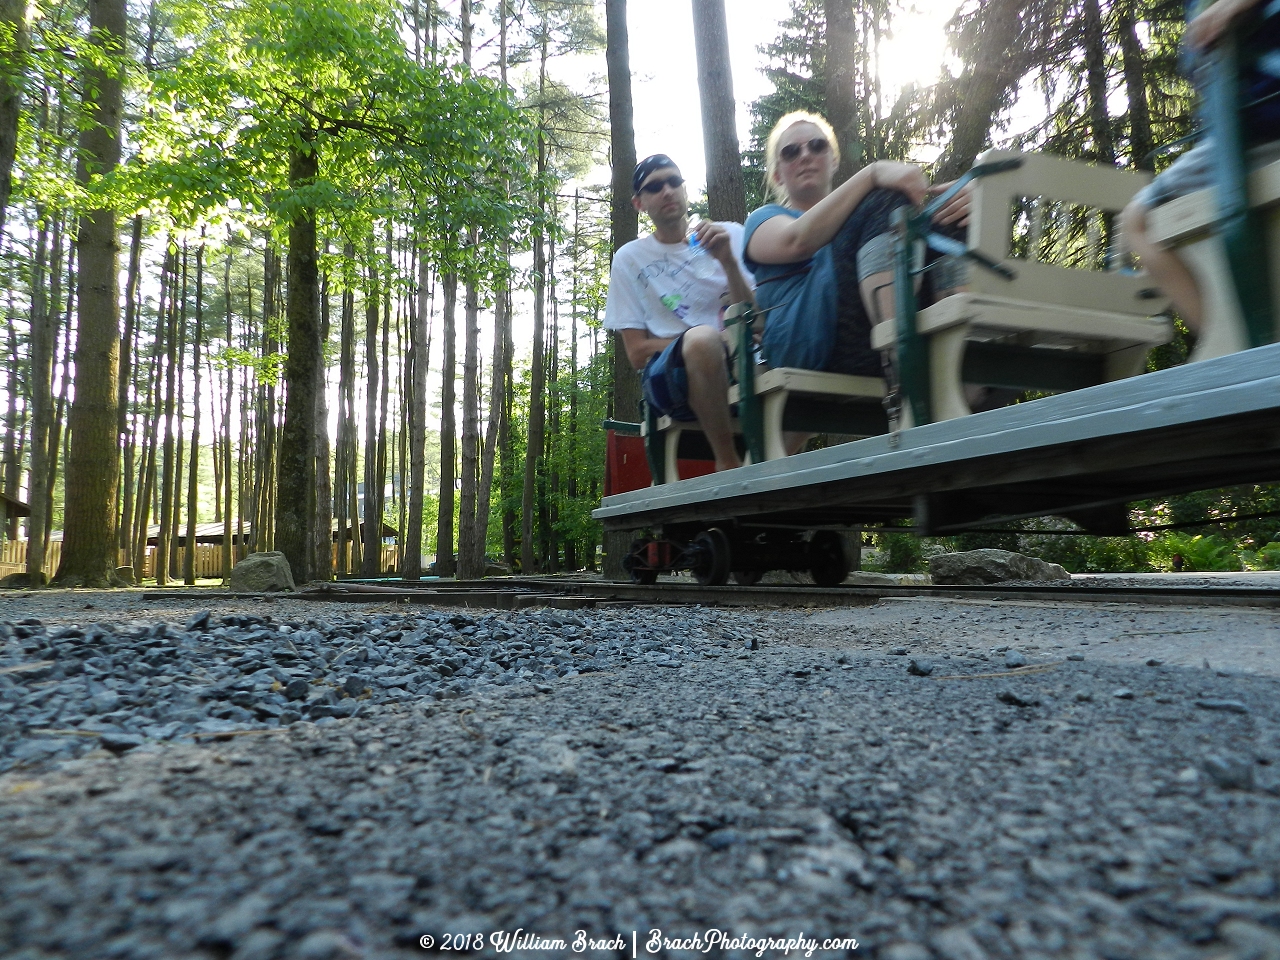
(785, 240)
(1208, 27)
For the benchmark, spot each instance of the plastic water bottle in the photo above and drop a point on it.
(702, 264)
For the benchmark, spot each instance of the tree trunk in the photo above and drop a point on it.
(470, 550)
(13, 65)
(371, 527)
(537, 402)
(344, 468)
(411, 566)
(193, 488)
(40, 373)
(841, 96)
(624, 219)
(497, 414)
(448, 432)
(167, 464)
(322, 565)
(128, 344)
(295, 513)
(93, 467)
(993, 69)
(226, 434)
(1095, 57)
(1135, 84)
(725, 193)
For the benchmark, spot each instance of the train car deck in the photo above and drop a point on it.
(1083, 455)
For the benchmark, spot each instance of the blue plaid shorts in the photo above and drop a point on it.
(666, 382)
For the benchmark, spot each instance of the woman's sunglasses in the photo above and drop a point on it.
(817, 146)
(655, 186)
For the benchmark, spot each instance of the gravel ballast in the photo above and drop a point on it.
(315, 781)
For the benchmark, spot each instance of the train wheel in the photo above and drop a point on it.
(631, 563)
(713, 569)
(827, 560)
(747, 578)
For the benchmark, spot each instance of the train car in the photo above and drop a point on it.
(1048, 308)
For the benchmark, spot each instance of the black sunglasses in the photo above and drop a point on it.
(817, 146)
(655, 186)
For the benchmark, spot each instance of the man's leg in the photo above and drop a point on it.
(1166, 267)
(709, 391)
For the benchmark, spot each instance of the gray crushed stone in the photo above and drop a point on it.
(622, 770)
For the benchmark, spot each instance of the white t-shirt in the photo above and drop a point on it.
(652, 286)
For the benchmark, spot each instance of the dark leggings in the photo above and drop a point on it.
(852, 351)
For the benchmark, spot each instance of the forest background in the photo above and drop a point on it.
(264, 261)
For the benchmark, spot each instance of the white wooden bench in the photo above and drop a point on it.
(1185, 224)
(792, 399)
(1064, 320)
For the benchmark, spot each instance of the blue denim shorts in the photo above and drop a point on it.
(666, 382)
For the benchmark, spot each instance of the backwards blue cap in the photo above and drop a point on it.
(647, 166)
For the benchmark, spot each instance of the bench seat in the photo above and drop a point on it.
(988, 340)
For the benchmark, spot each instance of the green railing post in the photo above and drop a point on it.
(1243, 232)
(750, 407)
(913, 358)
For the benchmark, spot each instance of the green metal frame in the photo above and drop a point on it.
(915, 233)
(1243, 230)
(750, 406)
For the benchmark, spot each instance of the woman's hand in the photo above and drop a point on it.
(904, 177)
(957, 209)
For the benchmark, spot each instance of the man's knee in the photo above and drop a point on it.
(702, 345)
(1133, 220)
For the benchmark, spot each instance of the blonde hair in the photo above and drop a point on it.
(771, 186)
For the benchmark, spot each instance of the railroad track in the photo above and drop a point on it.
(510, 593)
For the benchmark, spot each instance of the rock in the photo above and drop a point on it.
(1250, 939)
(1016, 700)
(199, 622)
(16, 581)
(1228, 772)
(1224, 706)
(262, 573)
(919, 667)
(119, 743)
(1014, 659)
(898, 652)
(1154, 662)
(978, 567)
(1075, 656)
(1122, 693)
(905, 951)
(297, 689)
(1084, 696)
(327, 945)
(957, 943)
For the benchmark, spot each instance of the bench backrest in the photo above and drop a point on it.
(1052, 221)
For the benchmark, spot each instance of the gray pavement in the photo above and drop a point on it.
(933, 779)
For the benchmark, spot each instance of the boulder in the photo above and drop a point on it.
(977, 567)
(262, 573)
(16, 580)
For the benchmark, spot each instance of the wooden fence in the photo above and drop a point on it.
(208, 561)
